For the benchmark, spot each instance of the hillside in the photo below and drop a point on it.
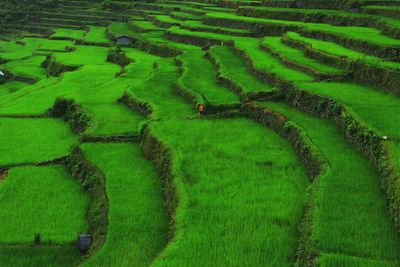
(200, 133)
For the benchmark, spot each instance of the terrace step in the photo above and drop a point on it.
(389, 11)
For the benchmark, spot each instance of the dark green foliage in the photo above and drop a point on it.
(116, 6)
(55, 68)
(93, 182)
(118, 58)
(73, 113)
(17, 10)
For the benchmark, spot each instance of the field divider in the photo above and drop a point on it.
(59, 160)
(93, 182)
(135, 103)
(321, 16)
(24, 116)
(79, 119)
(364, 139)
(198, 99)
(389, 52)
(319, 76)
(234, 86)
(17, 77)
(359, 70)
(55, 68)
(360, 136)
(167, 164)
(201, 41)
(182, 90)
(85, 138)
(315, 164)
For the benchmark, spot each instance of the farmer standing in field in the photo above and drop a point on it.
(200, 107)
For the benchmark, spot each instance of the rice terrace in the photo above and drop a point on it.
(199, 133)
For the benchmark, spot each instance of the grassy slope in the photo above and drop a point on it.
(99, 96)
(338, 50)
(352, 217)
(28, 67)
(158, 90)
(237, 214)
(267, 62)
(201, 78)
(377, 109)
(33, 140)
(235, 68)
(96, 34)
(113, 119)
(75, 34)
(121, 28)
(297, 56)
(11, 87)
(137, 223)
(39, 256)
(43, 200)
(362, 33)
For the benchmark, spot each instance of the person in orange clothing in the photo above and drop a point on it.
(200, 107)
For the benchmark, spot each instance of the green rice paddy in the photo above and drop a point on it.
(197, 151)
(25, 196)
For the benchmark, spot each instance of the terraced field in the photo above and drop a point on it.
(215, 133)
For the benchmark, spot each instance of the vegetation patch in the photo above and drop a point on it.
(71, 112)
(42, 201)
(93, 183)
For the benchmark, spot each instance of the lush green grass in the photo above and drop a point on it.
(245, 186)
(146, 25)
(88, 55)
(166, 18)
(199, 26)
(69, 33)
(79, 84)
(120, 28)
(378, 110)
(200, 76)
(297, 56)
(185, 16)
(352, 217)
(96, 34)
(25, 48)
(55, 44)
(137, 222)
(338, 50)
(234, 67)
(38, 256)
(33, 140)
(265, 61)
(237, 213)
(206, 35)
(10, 87)
(361, 33)
(113, 119)
(142, 66)
(44, 200)
(27, 67)
(27, 89)
(158, 91)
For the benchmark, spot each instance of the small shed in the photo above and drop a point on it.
(123, 40)
(84, 242)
